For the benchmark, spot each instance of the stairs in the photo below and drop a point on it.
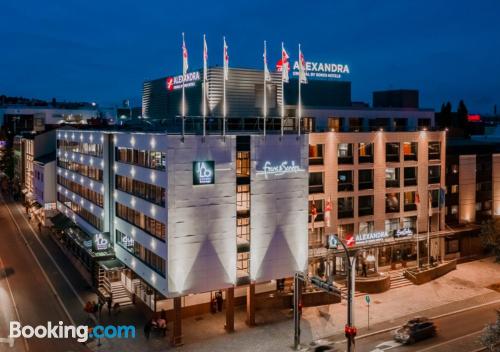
(120, 294)
(343, 290)
(398, 280)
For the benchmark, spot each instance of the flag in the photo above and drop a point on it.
(328, 209)
(267, 75)
(184, 58)
(430, 204)
(205, 59)
(314, 213)
(226, 61)
(350, 240)
(285, 64)
(302, 68)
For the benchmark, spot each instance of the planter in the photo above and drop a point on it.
(376, 284)
(429, 274)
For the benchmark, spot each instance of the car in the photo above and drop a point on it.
(415, 330)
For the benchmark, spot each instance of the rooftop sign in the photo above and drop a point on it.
(320, 70)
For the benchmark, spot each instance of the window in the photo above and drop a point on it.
(243, 164)
(146, 191)
(454, 169)
(365, 179)
(392, 152)
(142, 221)
(334, 124)
(243, 229)
(316, 154)
(345, 207)
(410, 176)
(410, 223)
(366, 227)
(345, 181)
(478, 206)
(345, 230)
(454, 210)
(242, 261)
(392, 203)
(355, 124)
(365, 153)
(316, 210)
(392, 177)
(391, 225)
(243, 198)
(410, 151)
(452, 246)
(365, 205)
(149, 258)
(434, 150)
(344, 153)
(145, 158)
(434, 174)
(410, 203)
(315, 182)
(434, 198)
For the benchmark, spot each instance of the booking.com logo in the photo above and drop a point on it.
(81, 333)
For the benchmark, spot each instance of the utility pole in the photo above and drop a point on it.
(297, 308)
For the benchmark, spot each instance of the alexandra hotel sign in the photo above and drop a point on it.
(279, 169)
(175, 82)
(320, 70)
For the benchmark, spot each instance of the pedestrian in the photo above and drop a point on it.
(147, 328)
(363, 266)
(220, 300)
(39, 227)
(109, 301)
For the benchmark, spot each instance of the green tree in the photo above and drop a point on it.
(462, 114)
(490, 236)
(490, 337)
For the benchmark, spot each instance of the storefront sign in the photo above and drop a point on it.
(371, 237)
(87, 244)
(286, 167)
(203, 172)
(332, 241)
(101, 243)
(404, 232)
(175, 82)
(127, 241)
(320, 70)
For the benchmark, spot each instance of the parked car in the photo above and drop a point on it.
(415, 330)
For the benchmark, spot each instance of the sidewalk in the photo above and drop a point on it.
(462, 288)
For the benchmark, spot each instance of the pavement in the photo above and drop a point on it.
(36, 302)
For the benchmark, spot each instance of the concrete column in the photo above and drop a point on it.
(229, 310)
(177, 331)
(251, 305)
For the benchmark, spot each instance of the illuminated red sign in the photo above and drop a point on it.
(350, 240)
(170, 83)
(474, 118)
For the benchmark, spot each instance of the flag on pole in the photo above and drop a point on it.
(205, 59)
(314, 213)
(285, 64)
(302, 68)
(267, 74)
(226, 61)
(184, 57)
(328, 209)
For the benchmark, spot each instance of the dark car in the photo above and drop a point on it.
(415, 331)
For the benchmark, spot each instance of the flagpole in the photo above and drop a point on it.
(183, 92)
(224, 89)
(300, 97)
(204, 84)
(418, 242)
(282, 89)
(265, 91)
(429, 215)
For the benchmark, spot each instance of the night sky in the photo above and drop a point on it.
(103, 50)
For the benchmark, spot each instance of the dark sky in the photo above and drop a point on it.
(103, 50)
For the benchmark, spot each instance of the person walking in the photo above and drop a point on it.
(363, 268)
(220, 300)
(109, 302)
(39, 227)
(147, 328)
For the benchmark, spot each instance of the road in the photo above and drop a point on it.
(457, 332)
(35, 286)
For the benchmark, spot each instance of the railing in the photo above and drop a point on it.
(342, 187)
(315, 189)
(366, 159)
(410, 207)
(392, 157)
(392, 183)
(345, 159)
(365, 185)
(316, 161)
(410, 182)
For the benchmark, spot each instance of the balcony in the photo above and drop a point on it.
(345, 160)
(392, 158)
(434, 156)
(410, 182)
(410, 207)
(319, 217)
(316, 161)
(316, 189)
(365, 159)
(410, 157)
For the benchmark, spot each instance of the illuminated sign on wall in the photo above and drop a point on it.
(371, 237)
(203, 172)
(175, 82)
(404, 232)
(280, 169)
(319, 69)
(101, 243)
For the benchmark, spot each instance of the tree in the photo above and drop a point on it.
(462, 114)
(490, 337)
(490, 236)
(445, 116)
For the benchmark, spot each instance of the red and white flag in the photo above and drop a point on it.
(205, 58)
(302, 68)
(267, 74)
(184, 57)
(226, 61)
(314, 213)
(350, 240)
(285, 64)
(328, 209)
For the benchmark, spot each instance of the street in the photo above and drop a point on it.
(30, 294)
(456, 332)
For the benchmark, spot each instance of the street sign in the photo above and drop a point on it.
(367, 299)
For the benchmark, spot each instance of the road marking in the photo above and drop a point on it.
(52, 259)
(59, 300)
(15, 308)
(450, 341)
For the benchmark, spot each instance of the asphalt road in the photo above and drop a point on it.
(35, 291)
(457, 332)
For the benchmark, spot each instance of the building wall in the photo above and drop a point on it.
(467, 188)
(496, 183)
(278, 208)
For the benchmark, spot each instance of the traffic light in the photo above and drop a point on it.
(350, 331)
(324, 285)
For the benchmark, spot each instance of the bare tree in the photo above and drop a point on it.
(491, 335)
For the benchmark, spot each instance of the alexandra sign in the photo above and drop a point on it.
(285, 167)
(175, 82)
(203, 172)
(371, 237)
(320, 69)
(404, 232)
